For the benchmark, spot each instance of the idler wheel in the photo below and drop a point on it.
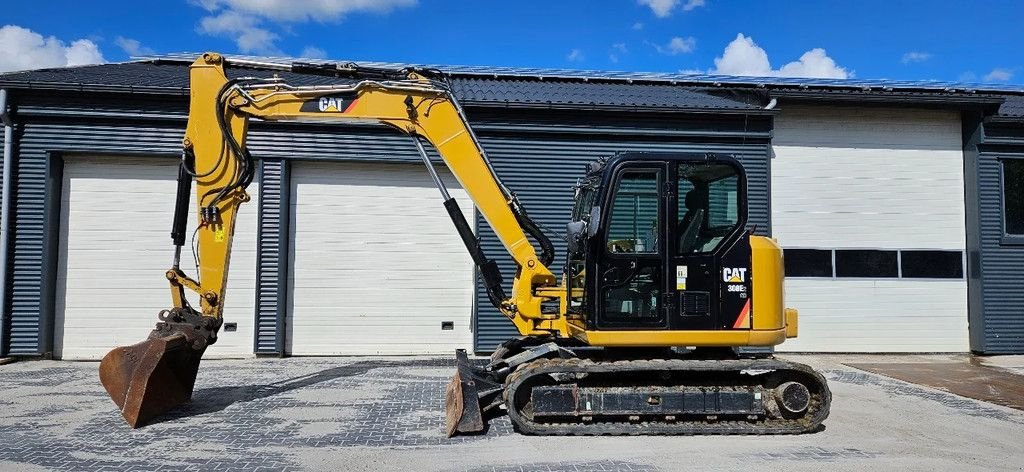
(793, 397)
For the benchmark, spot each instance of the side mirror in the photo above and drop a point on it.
(575, 233)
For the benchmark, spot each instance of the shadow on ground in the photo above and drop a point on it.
(214, 399)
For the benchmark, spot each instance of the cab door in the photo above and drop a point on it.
(709, 254)
(631, 264)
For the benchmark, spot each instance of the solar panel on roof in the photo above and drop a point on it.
(878, 84)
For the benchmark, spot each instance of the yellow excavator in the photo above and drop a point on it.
(662, 279)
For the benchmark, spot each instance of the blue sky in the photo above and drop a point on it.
(974, 41)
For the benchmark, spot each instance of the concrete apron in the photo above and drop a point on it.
(973, 377)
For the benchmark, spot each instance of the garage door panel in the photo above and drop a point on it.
(871, 178)
(376, 264)
(897, 316)
(115, 247)
(869, 128)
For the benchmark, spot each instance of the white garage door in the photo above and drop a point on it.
(877, 179)
(377, 266)
(114, 249)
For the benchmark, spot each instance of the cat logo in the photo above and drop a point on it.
(734, 275)
(327, 104)
(335, 104)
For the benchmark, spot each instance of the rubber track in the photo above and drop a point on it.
(821, 399)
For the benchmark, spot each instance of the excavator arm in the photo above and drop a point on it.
(148, 378)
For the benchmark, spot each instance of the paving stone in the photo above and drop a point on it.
(321, 413)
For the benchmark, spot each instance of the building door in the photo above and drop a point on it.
(869, 206)
(114, 249)
(377, 267)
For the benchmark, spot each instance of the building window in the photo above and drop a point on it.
(808, 262)
(875, 263)
(1013, 197)
(932, 264)
(867, 263)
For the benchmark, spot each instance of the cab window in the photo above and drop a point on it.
(633, 226)
(708, 206)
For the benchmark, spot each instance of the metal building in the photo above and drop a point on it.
(900, 204)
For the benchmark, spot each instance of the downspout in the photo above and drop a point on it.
(5, 117)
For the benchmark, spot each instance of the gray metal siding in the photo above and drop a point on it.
(3, 305)
(44, 133)
(271, 258)
(542, 171)
(972, 135)
(30, 311)
(1002, 266)
(1001, 263)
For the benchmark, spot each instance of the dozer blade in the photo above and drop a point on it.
(151, 377)
(462, 403)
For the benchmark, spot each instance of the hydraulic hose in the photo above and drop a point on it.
(547, 255)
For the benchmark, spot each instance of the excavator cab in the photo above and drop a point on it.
(659, 256)
(659, 230)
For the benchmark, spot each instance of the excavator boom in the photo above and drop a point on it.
(148, 378)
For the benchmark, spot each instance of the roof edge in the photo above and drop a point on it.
(504, 72)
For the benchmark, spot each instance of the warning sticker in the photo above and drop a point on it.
(218, 235)
(681, 272)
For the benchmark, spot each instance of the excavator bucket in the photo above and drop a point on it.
(472, 397)
(151, 377)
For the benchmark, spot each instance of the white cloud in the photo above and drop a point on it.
(304, 10)
(999, 75)
(24, 49)
(814, 63)
(663, 8)
(638, 26)
(575, 55)
(243, 20)
(915, 56)
(132, 47)
(677, 46)
(691, 4)
(245, 30)
(312, 52)
(744, 57)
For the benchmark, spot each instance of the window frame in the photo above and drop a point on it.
(610, 204)
(1007, 239)
(742, 200)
